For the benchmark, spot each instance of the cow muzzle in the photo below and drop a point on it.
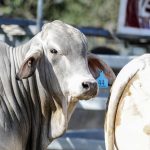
(89, 86)
(83, 90)
(90, 89)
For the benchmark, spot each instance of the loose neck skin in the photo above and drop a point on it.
(45, 111)
(29, 95)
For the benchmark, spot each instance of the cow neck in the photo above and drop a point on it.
(38, 100)
(26, 94)
(47, 110)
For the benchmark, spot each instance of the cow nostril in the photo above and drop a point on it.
(89, 85)
(85, 85)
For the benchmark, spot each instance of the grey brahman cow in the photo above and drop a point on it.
(40, 84)
(128, 115)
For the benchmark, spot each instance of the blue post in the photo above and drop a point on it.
(39, 14)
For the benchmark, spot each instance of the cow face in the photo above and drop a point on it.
(65, 49)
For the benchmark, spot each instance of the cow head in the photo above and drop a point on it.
(66, 71)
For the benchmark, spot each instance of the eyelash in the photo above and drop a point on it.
(53, 51)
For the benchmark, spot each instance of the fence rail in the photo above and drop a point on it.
(26, 24)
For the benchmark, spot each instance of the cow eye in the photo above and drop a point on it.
(53, 51)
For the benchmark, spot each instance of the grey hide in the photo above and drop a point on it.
(40, 84)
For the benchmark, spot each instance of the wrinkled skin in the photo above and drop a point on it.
(40, 84)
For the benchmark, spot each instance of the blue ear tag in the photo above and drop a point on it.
(102, 80)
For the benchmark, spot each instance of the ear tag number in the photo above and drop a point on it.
(102, 80)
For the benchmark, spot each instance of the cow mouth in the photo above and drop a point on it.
(85, 96)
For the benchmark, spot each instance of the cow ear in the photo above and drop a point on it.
(28, 67)
(96, 65)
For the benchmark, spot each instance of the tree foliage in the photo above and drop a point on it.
(78, 12)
